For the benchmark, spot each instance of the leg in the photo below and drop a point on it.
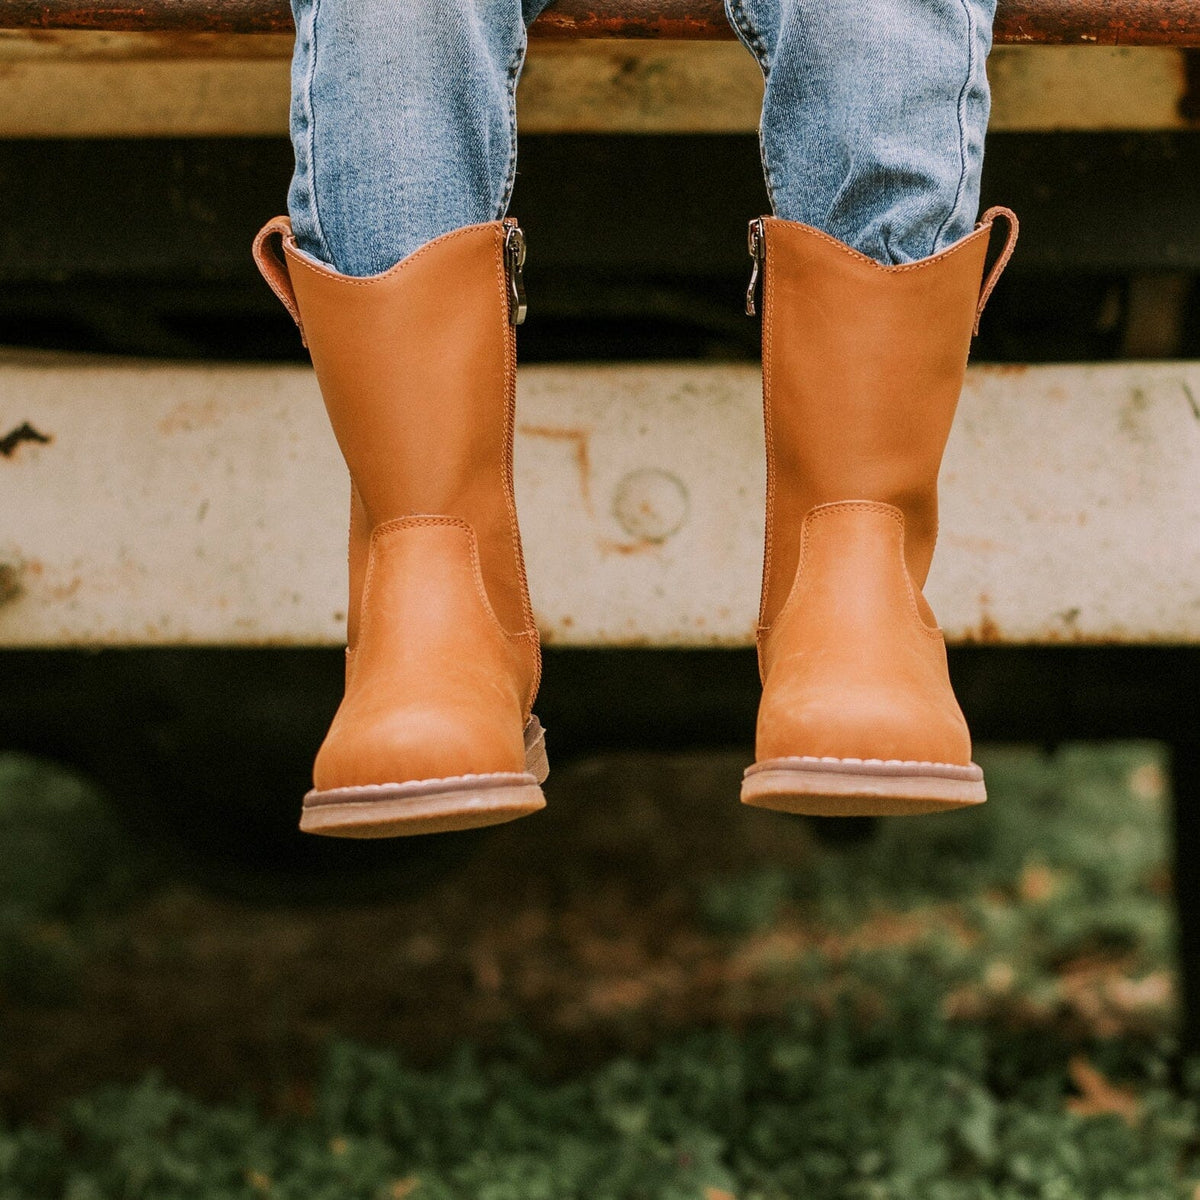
(874, 116)
(403, 123)
(872, 135)
(407, 288)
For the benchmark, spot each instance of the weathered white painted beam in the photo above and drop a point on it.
(206, 504)
(90, 84)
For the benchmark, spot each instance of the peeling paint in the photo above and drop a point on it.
(190, 415)
(11, 587)
(579, 439)
(22, 433)
(641, 546)
(1191, 399)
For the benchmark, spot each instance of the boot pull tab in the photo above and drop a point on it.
(273, 267)
(1010, 244)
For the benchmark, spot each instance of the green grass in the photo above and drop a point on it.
(978, 1019)
(911, 1109)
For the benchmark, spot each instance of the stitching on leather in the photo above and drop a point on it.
(514, 777)
(892, 268)
(417, 522)
(350, 539)
(1010, 244)
(898, 516)
(767, 380)
(506, 470)
(319, 269)
(811, 518)
(509, 334)
(264, 256)
(797, 588)
(866, 762)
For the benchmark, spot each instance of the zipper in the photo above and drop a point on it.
(757, 241)
(514, 263)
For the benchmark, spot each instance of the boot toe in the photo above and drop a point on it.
(863, 724)
(417, 745)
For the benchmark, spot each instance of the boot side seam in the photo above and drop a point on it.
(814, 515)
(431, 520)
(506, 474)
(768, 333)
(526, 636)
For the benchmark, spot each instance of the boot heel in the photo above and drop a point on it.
(536, 762)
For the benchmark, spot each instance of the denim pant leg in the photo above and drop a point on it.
(403, 122)
(874, 116)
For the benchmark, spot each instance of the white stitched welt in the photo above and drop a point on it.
(828, 761)
(410, 786)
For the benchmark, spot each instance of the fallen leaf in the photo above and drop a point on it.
(1098, 1097)
(1037, 883)
(1148, 782)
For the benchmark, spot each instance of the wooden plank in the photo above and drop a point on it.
(73, 84)
(182, 504)
(1106, 22)
(634, 87)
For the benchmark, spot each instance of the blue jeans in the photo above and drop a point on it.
(403, 119)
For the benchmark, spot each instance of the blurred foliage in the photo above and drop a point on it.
(1069, 854)
(64, 859)
(913, 1108)
(928, 1053)
(64, 852)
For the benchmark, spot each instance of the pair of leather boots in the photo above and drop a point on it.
(862, 369)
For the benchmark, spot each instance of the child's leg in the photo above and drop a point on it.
(874, 116)
(872, 281)
(405, 141)
(403, 122)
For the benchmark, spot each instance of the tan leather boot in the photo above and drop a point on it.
(862, 369)
(417, 366)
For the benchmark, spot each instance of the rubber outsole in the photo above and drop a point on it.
(420, 806)
(845, 787)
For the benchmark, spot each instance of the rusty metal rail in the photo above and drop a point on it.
(1096, 22)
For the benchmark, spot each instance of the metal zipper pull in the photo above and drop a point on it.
(514, 262)
(757, 240)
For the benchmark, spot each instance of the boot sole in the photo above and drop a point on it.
(854, 787)
(417, 806)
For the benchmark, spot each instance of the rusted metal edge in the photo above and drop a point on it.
(1020, 22)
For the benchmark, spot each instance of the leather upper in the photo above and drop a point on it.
(417, 367)
(853, 668)
(862, 369)
(435, 683)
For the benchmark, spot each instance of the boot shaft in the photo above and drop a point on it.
(417, 368)
(862, 369)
